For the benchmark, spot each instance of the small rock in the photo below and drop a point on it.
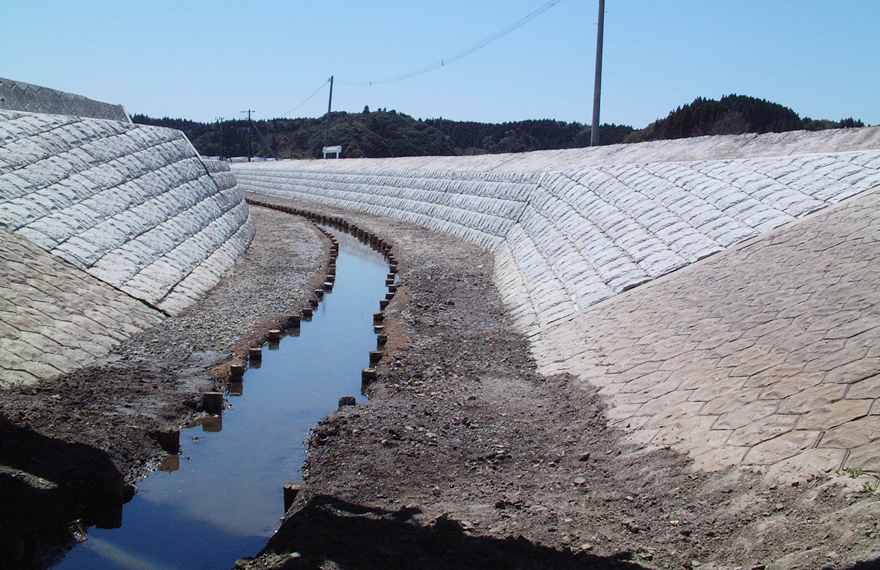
(580, 481)
(584, 456)
(436, 491)
(779, 506)
(586, 546)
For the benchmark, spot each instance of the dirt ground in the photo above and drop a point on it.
(67, 445)
(464, 457)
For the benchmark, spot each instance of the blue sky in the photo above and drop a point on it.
(201, 60)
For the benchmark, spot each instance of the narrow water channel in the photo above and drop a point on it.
(221, 498)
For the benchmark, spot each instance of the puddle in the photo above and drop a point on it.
(222, 497)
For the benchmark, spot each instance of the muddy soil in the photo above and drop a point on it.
(464, 457)
(66, 444)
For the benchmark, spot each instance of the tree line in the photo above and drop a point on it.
(383, 133)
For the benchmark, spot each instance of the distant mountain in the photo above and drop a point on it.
(732, 115)
(383, 133)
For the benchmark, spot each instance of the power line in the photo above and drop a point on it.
(309, 98)
(463, 53)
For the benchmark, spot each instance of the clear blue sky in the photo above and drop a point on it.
(201, 60)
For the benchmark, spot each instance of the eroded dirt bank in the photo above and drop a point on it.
(64, 442)
(466, 458)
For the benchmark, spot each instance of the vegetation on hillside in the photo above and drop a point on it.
(384, 133)
(732, 115)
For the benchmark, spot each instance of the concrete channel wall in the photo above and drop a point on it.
(572, 237)
(720, 293)
(134, 206)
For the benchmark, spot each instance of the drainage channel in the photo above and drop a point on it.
(221, 498)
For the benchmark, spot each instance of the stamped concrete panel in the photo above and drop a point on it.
(54, 317)
(759, 356)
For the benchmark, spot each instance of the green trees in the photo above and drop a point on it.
(732, 115)
(383, 133)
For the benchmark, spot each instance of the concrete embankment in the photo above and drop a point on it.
(132, 206)
(574, 234)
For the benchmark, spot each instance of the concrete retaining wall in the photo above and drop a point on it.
(132, 205)
(570, 238)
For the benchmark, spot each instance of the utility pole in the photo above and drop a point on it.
(597, 89)
(249, 111)
(220, 130)
(329, 107)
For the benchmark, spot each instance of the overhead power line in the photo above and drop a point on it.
(309, 98)
(457, 56)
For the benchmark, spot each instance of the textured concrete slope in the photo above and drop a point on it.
(21, 96)
(566, 240)
(134, 206)
(725, 306)
(54, 317)
(766, 355)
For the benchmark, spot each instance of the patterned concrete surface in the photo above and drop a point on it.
(566, 240)
(766, 355)
(134, 206)
(54, 317)
(726, 308)
(21, 96)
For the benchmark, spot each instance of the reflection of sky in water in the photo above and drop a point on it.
(226, 498)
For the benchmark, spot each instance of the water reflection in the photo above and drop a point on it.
(221, 497)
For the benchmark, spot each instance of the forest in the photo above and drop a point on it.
(383, 133)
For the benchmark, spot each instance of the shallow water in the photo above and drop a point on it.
(221, 498)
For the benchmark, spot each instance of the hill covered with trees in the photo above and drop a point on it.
(380, 134)
(732, 115)
(383, 133)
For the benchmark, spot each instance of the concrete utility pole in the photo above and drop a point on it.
(329, 107)
(597, 89)
(249, 111)
(220, 130)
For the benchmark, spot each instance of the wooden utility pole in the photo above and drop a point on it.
(329, 107)
(597, 88)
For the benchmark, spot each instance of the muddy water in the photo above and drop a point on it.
(221, 498)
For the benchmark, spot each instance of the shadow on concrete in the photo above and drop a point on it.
(46, 486)
(353, 536)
